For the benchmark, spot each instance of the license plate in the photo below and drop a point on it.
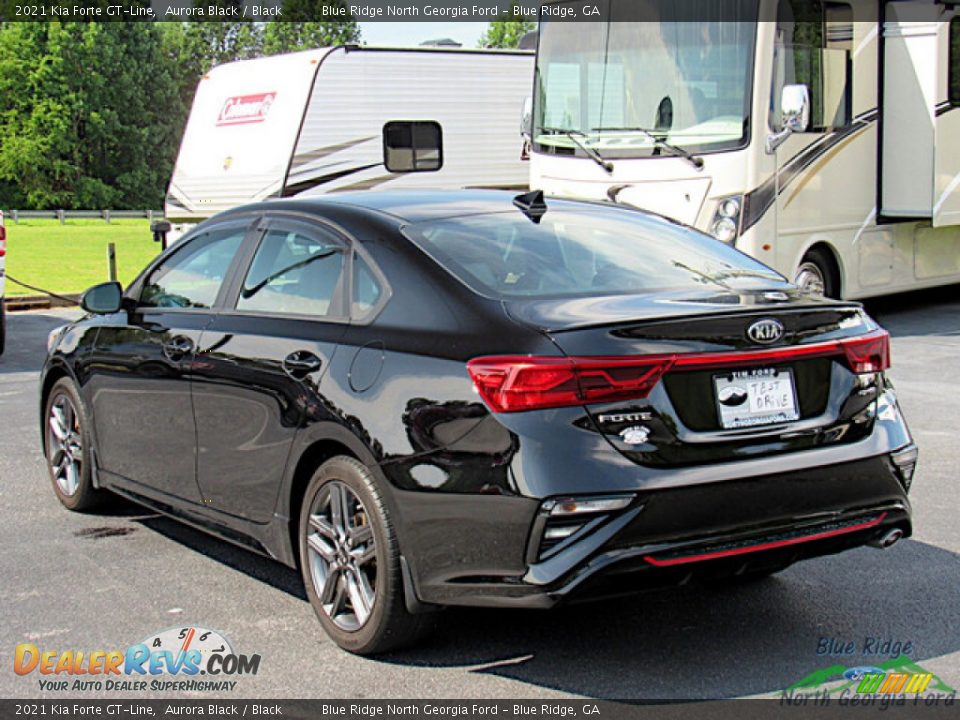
(746, 398)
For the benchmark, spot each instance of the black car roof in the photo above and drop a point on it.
(407, 206)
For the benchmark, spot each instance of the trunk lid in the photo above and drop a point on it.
(682, 419)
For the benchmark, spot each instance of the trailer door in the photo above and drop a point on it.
(946, 208)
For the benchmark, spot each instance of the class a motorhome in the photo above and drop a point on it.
(823, 138)
(350, 118)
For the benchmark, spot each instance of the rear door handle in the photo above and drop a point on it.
(176, 347)
(301, 363)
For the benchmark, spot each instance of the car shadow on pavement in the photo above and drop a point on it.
(256, 566)
(715, 641)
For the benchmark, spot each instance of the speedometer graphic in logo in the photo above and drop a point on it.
(184, 639)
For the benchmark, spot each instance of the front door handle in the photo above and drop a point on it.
(301, 363)
(178, 346)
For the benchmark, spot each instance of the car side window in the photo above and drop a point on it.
(367, 290)
(191, 277)
(296, 270)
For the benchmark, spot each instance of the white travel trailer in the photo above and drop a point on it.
(821, 137)
(350, 118)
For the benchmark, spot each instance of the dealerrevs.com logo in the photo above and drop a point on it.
(175, 660)
(242, 109)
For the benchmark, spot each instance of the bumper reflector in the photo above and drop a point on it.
(560, 532)
(732, 549)
(906, 462)
(578, 506)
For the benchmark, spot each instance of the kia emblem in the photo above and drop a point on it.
(765, 331)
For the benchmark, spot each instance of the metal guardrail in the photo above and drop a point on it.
(64, 215)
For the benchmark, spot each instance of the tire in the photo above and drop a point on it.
(341, 576)
(817, 273)
(3, 325)
(68, 449)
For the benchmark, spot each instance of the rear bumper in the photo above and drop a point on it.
(681, 535)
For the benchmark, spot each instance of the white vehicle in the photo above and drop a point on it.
(823, 140)
(350, 118)
(3, 280)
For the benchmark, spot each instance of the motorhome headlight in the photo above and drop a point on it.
(726, 220)
(724, 230)
(730, 208)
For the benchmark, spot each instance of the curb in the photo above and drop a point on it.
(38, 302)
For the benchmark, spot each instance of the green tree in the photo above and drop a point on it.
(206, 44)
(90, 115)
(300, 30)
(506, 33)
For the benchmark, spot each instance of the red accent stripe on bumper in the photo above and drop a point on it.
(763, 546)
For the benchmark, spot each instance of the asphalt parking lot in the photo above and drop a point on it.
(98, 582)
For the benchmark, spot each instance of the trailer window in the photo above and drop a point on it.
(814, 46)
(412, 146)
(954, 90)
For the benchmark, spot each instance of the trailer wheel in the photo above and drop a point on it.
(817, 273)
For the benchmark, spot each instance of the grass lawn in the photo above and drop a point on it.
(70, 258)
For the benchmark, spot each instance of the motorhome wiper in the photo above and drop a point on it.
(590, 152)
(694, 160)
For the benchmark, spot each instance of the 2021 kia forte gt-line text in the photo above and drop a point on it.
(435, 399)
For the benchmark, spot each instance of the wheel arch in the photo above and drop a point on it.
(318, 444)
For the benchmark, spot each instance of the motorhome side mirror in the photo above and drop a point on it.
(795, 108)
(526, 119)
(102, 299)
(794, 115)
(412, 146)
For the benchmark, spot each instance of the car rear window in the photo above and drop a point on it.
(595, 251)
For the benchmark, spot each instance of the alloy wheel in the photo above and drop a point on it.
(65, 445)
(342, 553)
(810, 278)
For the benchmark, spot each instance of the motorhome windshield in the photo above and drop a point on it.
(626, 88)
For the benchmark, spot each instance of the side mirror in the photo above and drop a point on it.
(794, 115)
(526, 119)
(412, 146)
(795, 108)
(103, 299)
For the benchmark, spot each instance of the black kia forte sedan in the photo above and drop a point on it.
(466, 398)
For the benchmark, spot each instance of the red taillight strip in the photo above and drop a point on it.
(763, 546)
(510, 383)
(846, 346)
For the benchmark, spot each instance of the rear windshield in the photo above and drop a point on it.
(602, 251)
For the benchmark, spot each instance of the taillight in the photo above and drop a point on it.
(3, 236)
(510, 383)
(868, 354)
